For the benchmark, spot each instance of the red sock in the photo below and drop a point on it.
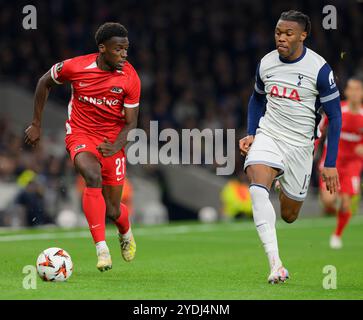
(343, 219)
(123, 223)
(94, 208)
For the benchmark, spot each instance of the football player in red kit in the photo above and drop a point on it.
(349, 162)
(102, 110)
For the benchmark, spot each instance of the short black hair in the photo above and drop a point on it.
(299, 17)
(109, 30)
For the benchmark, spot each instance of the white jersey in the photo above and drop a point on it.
(294, 92)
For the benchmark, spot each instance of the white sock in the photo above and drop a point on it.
(127, 235)
(101, 246)
(265, 218)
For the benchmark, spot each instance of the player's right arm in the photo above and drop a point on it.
(59, 73)
(256, 109)
(45, 83)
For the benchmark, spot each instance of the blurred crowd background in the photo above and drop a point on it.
(196, 61)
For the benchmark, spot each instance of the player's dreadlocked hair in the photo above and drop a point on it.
(109, 30)
(299, 17)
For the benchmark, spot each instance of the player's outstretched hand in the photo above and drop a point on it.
(245, 144)
(331, 178)
(107, 149)
(32, 135)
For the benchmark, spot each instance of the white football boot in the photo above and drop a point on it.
(279, 274)
(104, 260)
(336, 242)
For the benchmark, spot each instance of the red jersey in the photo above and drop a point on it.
(349, 163)
(98, 97)
(350, 137)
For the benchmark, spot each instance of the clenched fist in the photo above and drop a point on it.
(107, 149)
(32, 135)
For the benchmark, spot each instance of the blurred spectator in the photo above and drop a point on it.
(189, 54)
(196, 61)
(31, 198)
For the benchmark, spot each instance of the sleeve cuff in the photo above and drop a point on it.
(53, 76)
(128, 105)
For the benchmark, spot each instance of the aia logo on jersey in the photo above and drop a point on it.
(116, 90)
(285, 93)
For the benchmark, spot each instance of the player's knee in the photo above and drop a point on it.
(328, 200)
(345, 206)
(289, 215)
(93, 179)
(346, 203)
(112, 211)
(289, 218)
(261, 174)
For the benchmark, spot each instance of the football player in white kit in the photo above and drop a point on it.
(292, 83)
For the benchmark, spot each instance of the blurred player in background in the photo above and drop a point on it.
(236, 198)
(296, 81)
(349, 162)
(102, 110)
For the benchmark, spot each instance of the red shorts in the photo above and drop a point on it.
(349, 184)
(113, 169)
(349, 177)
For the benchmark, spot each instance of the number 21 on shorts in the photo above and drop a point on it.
(120, 168)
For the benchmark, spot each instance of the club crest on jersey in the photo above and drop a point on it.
(79, 147)
(300, 76)
(285, 93)
(59, 66)
(116, 90)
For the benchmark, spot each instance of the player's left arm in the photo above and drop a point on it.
(108, 149)
(320, 140)
(131, 109)
(330, 101)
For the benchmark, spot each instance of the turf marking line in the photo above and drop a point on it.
(171, 230)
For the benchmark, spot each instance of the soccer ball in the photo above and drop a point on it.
(54, 264)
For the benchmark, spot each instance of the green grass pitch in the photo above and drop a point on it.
(191, 261)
